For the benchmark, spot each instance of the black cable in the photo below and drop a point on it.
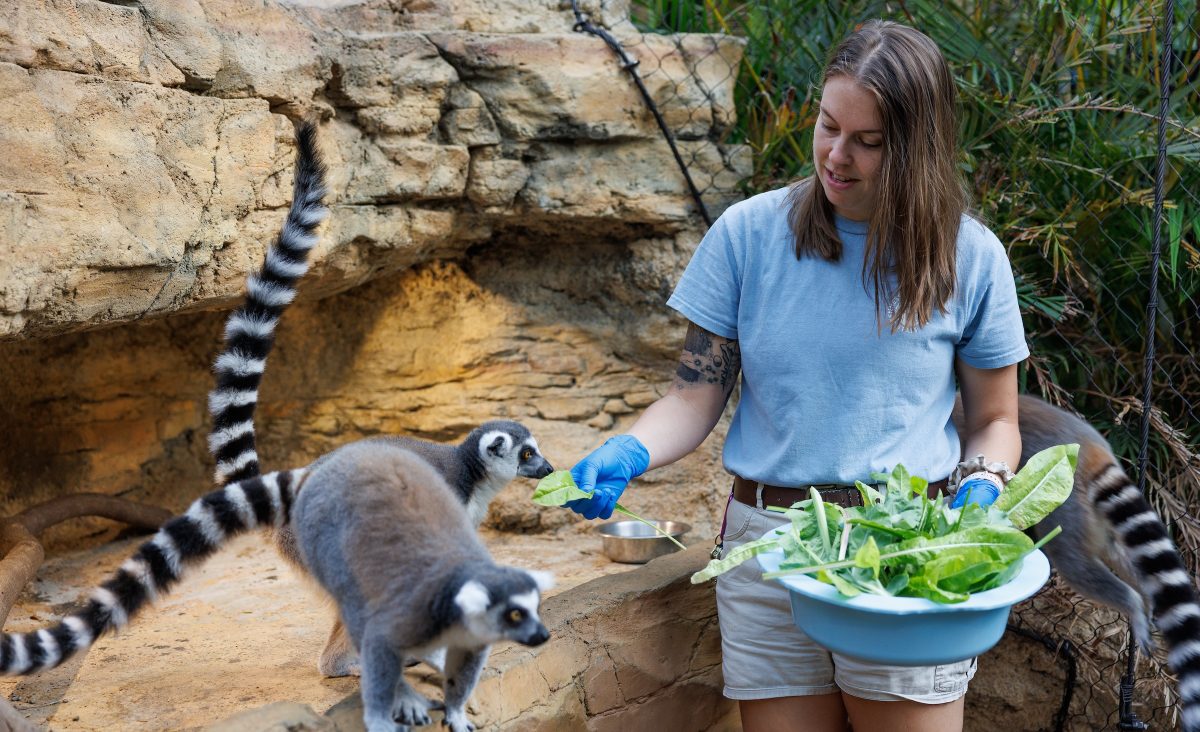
(582, 23)
(1063, 649)
(1128, 718)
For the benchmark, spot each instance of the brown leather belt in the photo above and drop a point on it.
(746, 491)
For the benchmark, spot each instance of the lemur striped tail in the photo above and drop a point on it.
(181, 543)
(249, 333)
(1162, 577)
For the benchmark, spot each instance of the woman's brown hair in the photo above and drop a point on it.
(922, 196)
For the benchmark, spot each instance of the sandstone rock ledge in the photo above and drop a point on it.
(637, 650)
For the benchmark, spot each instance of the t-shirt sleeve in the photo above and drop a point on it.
(994, 336)
(710, 288)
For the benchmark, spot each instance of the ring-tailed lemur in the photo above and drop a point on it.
(1104, 503)
(384, 535)
(477, 468)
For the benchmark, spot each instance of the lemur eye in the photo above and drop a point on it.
(526, 454)
(516, 615)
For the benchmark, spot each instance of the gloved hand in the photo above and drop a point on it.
(976, 490)
(606, 472)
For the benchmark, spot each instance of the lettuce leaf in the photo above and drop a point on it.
(901, 542)
(737, 556)
(558, 488)
(1041, 486)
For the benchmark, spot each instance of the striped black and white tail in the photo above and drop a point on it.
(249, 333)
(183, 542)
(1161, 575)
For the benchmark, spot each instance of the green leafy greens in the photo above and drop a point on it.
(559, 487)
(901, 542)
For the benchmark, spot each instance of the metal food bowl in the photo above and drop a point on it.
(633, 542)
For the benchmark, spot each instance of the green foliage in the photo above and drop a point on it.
(1059, 134)
(903, 543)
(559, 487)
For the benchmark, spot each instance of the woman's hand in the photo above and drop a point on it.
(976, 490)
(606, 472)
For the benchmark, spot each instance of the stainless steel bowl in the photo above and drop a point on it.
(636, 543)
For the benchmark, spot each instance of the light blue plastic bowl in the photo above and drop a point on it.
(906, 631)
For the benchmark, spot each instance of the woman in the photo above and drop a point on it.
(849, 302)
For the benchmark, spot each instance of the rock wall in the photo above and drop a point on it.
(150, 144)
(507, 222)
(634, 651)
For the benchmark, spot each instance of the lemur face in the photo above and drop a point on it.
(530, 463)
(510, 450)
(505, 606)
(517, 618)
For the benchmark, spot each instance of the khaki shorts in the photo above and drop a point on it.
(764, 654)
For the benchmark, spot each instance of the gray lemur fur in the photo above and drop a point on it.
(477, 468)
(386, 537)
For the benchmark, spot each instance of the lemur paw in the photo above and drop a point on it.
(411, 708)
(457, 721)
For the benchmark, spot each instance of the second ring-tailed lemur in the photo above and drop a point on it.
(384, 535)
(477, 468)
(1105, 504)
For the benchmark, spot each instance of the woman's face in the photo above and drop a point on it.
(848, 147)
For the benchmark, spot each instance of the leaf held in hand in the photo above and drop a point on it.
(557, 489)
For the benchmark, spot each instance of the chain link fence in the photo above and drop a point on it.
(1081, 137)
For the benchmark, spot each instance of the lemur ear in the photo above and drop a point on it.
(472, 598)
(497, 445)
(543, 580)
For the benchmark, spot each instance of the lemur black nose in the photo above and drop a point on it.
(545, 470)
(538, 637)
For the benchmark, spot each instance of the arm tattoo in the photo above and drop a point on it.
(707, 358)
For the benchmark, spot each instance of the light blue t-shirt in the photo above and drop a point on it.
(828, 397)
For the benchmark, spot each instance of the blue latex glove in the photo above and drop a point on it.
(606, 472)
(976, 490)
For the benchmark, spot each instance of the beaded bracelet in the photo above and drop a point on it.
(996, 472)
(987, 475)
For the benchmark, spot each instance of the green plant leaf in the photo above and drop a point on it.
(750, 549)
(867, 557)
(1040, 487)
(557, 489)
(843, 585)
(822, 523)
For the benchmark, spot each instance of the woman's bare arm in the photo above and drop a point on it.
(679, 421)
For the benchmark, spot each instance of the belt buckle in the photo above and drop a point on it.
(845, 494)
